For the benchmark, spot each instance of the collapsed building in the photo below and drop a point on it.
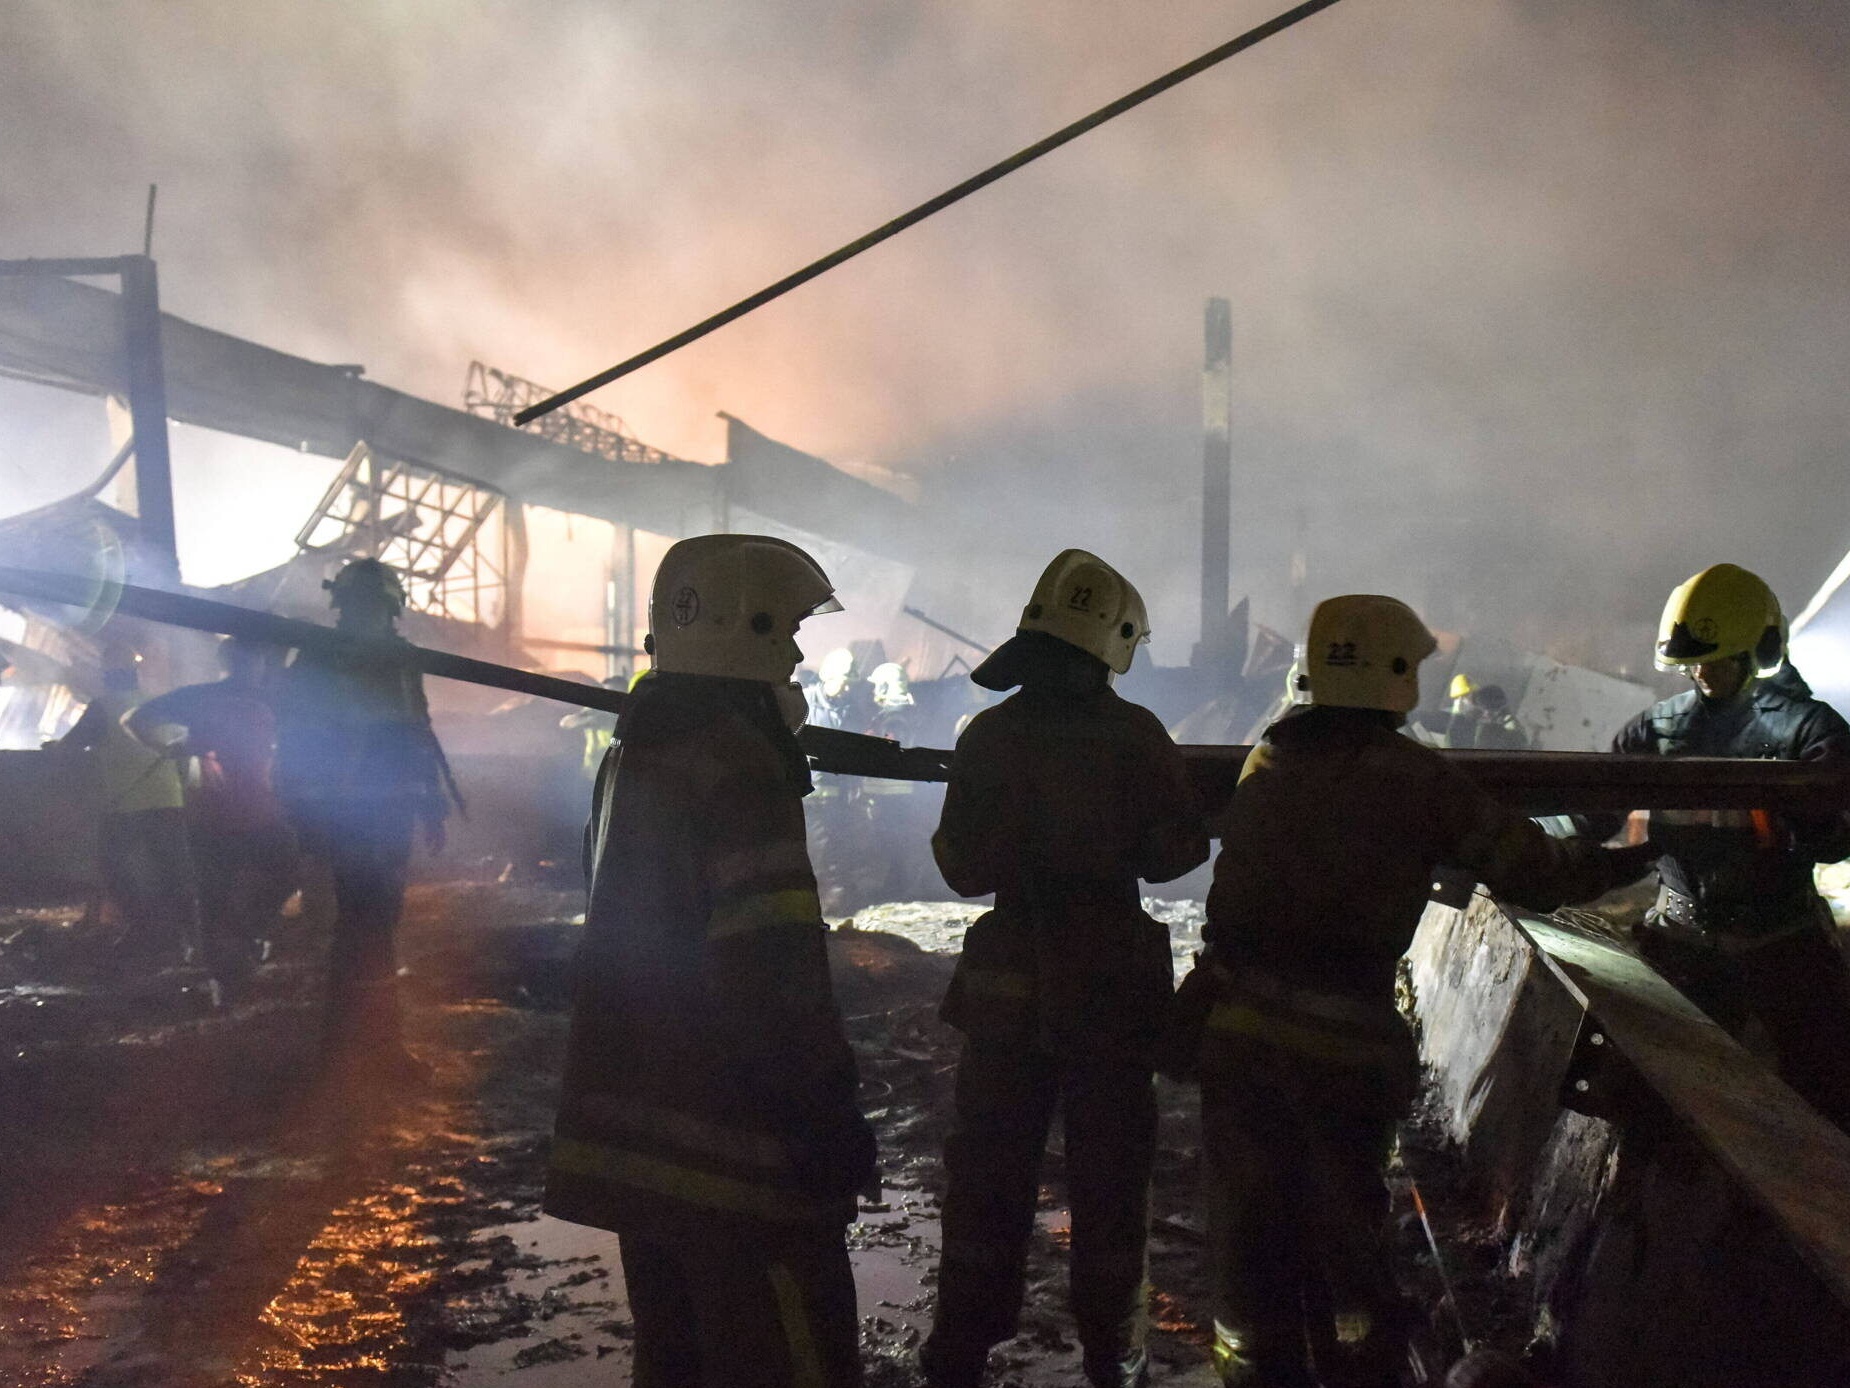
(1613, 1138)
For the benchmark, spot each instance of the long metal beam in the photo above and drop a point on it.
(1536, 782)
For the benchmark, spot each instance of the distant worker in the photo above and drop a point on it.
(897, 865)
(839, 816)
(361, 772)
(1738, 924)
(839, 699)
(1061, 798)
(1328, 848)
(596, 727)
(241, 840)
(708, 1114)
(146, 859)
(1490, 725)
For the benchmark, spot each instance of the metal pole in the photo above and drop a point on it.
(147, 403)
(1216, 475)
(1046, 145)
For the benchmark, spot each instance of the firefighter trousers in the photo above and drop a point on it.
(1294, 1151)
(721, 1310)
(1007, 1095)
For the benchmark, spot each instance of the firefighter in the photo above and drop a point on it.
(1327, 853)
(241, 841)
(146, 859)
(1498, 729)
(840, 812)
(1060, 799)
(1738, 925)
(708, 1114)
(361, 772)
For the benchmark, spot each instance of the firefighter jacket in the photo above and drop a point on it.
(1328, 849)
(707, 1075)
(353, 726)
(1739, 874)
(1060, 798)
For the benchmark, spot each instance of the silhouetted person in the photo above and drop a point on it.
(361, 772)
(242, 844)
(146, 860)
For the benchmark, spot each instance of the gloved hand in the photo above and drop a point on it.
(1626, 865)
(833, 1153)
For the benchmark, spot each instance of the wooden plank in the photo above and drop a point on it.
(1774, 1145)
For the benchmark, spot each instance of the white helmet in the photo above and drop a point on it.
(890, 687)
(1086, 603)
(1363, 651)
(730, 605)
(835, 671)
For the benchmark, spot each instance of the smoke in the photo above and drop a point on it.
(1538, 306)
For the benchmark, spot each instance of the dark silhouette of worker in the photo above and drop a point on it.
(1328, 849)
(242, 844)
(1061, 798)
(146, 860)
(361, 772)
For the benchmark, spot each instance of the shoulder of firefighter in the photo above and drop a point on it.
(708, 1076)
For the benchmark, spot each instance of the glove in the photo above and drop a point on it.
(834, 1155)
(1626, 865)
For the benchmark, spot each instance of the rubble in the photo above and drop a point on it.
(252, 1228)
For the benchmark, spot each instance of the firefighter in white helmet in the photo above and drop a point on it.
(1738, 924)
(708, 1113)
(1061, 798)
(1328, 848)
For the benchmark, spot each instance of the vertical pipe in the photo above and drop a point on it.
(147, 403)
(1216, 474)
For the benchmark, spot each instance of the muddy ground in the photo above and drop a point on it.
(182, 1203)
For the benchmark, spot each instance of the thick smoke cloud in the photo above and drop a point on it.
(1538, 306)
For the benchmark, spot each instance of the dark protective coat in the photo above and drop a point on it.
(1328, 851)
(1739, 926)
(708, 1111)
(1060, 799)
(1749, 872)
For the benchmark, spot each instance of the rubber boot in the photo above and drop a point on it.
(947, 1365)
(1127, 1369)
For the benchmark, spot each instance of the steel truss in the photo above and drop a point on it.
(499, 396)
(448, 539)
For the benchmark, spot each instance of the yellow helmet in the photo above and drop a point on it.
(729, 605)
(1084, 602)
(1722, 612)
(1364, 651)
(1461, 687)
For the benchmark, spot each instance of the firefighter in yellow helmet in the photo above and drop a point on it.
(1061, 798)
(1738, 924)
(708, 1112)
(1328, 848)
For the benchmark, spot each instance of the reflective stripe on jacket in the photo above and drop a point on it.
(706, 1047)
